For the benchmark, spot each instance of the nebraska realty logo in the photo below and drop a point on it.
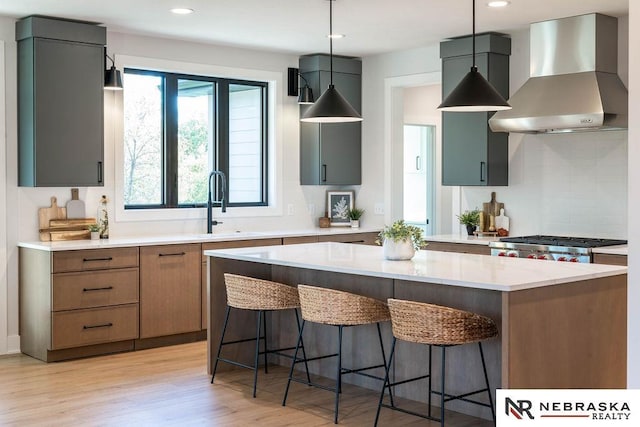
(567, 407)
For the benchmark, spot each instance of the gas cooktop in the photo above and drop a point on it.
(576, 242)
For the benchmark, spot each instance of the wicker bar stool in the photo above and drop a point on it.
(262, 296)
(442, 327)
(340, 309)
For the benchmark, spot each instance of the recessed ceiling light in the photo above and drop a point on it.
(498, 3)
(181, 11)
(335, 36)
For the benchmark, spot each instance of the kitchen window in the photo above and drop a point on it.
(178, 128)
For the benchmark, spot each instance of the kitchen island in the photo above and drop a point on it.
(562, 325)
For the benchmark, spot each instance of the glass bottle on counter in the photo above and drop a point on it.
(103, 218)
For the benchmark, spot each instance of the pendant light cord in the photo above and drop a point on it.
(473, 37)
(331, 41)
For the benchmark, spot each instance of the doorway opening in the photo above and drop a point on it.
(419, 176)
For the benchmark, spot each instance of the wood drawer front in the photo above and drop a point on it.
(299, 239)
(95, 289)
(94, 326)
(95, 259)
(361, 238)
(464, 248)
(610, 259)
(240, 244)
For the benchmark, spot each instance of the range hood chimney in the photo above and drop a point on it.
(574, 85)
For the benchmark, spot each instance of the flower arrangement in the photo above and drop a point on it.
(399, 231)
(355, 213)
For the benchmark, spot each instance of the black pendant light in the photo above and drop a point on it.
(331, 107)
(112, 77)
(474, 92)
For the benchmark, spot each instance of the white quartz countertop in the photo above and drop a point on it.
(447, 268)
(116, 242)
(612, 250)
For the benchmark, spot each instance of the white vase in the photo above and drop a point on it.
(355, 223)
(398, 250)
(95, 235)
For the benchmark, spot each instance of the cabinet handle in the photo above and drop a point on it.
(106, 288)
(100, 172)
(97, 259)
(482, 173)
(324, 173)
(418, 163)
(174, 254)
(104, 325)
(355, 241)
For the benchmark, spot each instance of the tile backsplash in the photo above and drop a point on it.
(563, 184)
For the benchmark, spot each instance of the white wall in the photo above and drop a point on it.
(633, 294)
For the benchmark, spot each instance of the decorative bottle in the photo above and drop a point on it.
(103, 218)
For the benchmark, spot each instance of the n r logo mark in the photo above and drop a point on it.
(518, 409)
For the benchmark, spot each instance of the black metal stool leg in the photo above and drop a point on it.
(224, 329)
(486, 379)
(386, 381)
(293, 363)
(255, 366)
(442, 385)
(430, 386)
(304, 353)
(339, 375)
(384, 360)
(266, 350)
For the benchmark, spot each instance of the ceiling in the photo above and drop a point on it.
(300, 26)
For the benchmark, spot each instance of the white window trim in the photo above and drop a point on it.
(274, 154)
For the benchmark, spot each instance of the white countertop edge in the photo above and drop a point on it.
(235, 255)
(612, 250)
(118, 242)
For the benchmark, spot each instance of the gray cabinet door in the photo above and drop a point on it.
(68, 114)
(340, 143)
(330, 154)
(471, 153)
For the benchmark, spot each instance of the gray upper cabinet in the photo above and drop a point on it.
(471, 153)
(330, 154)
(60, 102)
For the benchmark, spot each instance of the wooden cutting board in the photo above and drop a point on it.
(491, 208)
(47, 214)
(75, 206)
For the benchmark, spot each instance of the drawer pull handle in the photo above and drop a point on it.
(175, 254)
(355, 241)
(97, 259)
(105, 325)
(106, 288)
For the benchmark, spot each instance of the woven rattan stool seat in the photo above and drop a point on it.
(331, 307)
(256, 294)
(434, 324)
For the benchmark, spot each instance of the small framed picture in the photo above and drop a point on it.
(339, 203)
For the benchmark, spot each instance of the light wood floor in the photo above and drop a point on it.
(170, 387)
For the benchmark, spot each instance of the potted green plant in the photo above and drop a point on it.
(94, 229)
(400, 240)
(470, 218)
(354, 215)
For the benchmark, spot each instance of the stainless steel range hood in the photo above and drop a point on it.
(574, 85)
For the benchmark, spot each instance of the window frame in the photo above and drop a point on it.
(220, 117)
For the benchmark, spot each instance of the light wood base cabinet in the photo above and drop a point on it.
(170, 301)
(78, 303)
